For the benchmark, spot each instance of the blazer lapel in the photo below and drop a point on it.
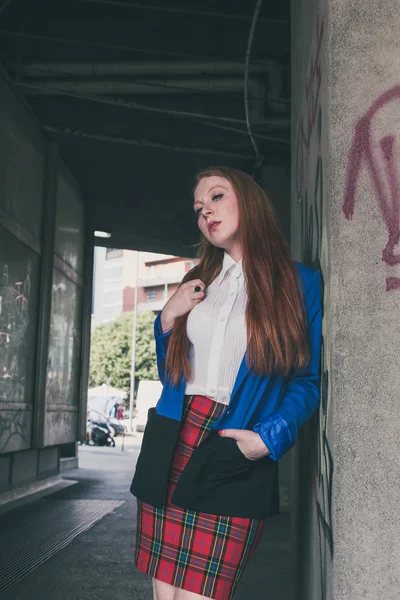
(242, 373)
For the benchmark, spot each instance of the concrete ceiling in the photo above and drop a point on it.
(141, 95)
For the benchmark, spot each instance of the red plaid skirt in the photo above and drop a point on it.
(202, 553)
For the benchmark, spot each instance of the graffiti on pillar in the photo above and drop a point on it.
(12, 424)
(309, 166)
(312, 204)
(14, 324)
(380, 160)
(19, 281)
(63, 366)
(310, 196)
(323, 479)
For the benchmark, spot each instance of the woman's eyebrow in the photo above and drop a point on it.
(213, 188)
(216, 186)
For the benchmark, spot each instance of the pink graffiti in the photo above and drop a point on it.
(388, 198)
(308, 119)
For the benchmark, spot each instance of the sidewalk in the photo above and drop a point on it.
(98, 563)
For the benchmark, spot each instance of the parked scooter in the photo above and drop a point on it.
(99, 434)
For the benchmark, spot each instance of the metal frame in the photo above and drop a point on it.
(86, 316)
(67, 271)
(46, 282)
(17, 230)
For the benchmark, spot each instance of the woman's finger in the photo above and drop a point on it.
(195, 284)
(236, 434)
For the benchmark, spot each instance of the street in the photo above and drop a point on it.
(99, 562)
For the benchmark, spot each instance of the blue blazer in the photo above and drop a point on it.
(274, 406)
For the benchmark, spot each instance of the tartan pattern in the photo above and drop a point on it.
(204, 554)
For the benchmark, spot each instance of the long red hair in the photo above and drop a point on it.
(275, 316)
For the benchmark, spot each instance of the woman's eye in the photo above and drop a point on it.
(198, 212)
(217, 197)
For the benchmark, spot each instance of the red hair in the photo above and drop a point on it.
(275, 317)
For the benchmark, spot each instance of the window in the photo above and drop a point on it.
(113, 253)
(113, 273)
(113, 297)
(151, 295)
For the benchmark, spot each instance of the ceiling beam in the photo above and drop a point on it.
(207, 120)
(142, 143)
(120, 87)
(168, 68)
(121, 48)
(187, 11)
(4, 4)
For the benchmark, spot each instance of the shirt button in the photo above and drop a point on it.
(215, 353)
(212, 391)
(228, 412)
(222, 319)
(232, 294)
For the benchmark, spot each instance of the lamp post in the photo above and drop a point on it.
(132, 390)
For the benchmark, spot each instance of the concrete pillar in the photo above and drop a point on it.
(364, 225)
(346, 196)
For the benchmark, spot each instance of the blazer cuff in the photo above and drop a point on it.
(276, 435)
(162, 339)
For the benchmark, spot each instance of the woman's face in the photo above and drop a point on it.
(217, 210)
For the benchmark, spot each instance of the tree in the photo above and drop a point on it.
(111, 352)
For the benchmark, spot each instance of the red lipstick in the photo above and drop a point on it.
(213, 225)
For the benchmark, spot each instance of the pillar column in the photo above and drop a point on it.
(346, 221)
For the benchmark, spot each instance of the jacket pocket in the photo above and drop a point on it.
(219, 479)
(155, 458)
(226, 460)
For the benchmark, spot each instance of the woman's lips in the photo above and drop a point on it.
(213, 226)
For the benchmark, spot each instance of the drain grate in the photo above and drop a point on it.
(30, 538)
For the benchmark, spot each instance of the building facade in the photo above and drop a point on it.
(117, 272)
(159, 280)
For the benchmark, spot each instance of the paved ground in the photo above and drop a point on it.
(98, 564)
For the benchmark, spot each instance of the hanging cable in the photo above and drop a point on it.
(259, 158)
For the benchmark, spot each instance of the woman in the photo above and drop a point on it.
(238, 351)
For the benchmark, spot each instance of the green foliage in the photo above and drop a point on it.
(111, 352)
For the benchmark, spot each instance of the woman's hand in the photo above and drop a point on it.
(181, 302)
(249, 442)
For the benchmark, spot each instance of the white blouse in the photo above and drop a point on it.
(216, 329)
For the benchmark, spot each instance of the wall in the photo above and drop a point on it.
(346, 194)
(64, 353)
(43, 264)
(364, 227)
(312, 459)
(21, 208)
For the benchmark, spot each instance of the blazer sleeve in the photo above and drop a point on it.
(279, 430)
(162, 340)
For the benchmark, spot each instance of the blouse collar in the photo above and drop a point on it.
(228, 264)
